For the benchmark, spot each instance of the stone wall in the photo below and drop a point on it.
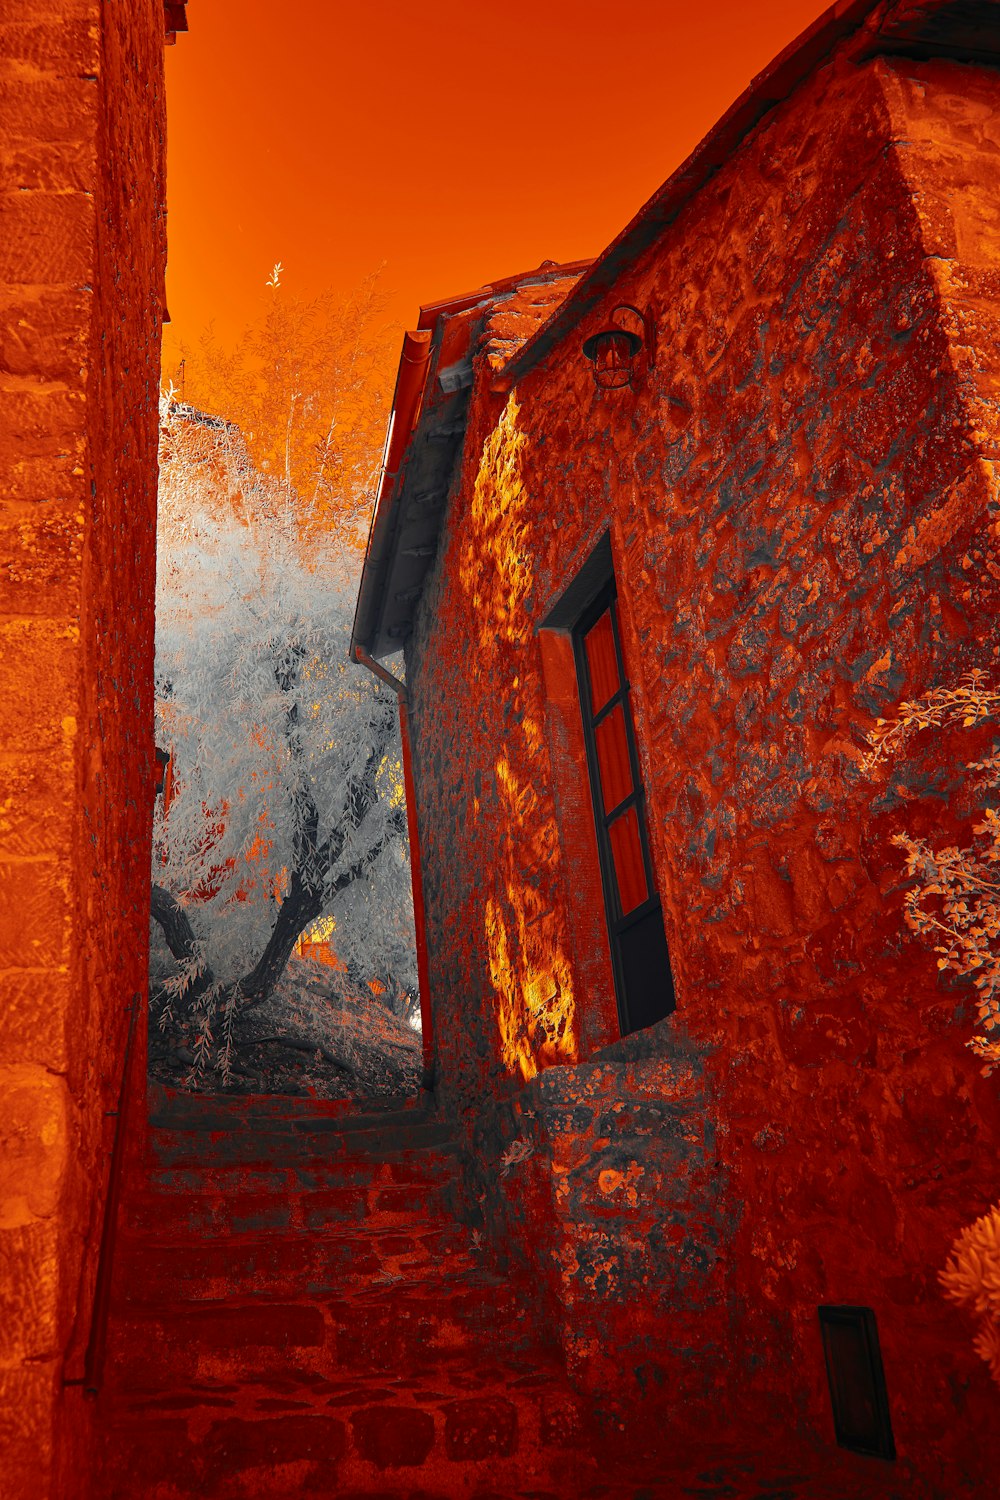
(82, 253)
(801, 501)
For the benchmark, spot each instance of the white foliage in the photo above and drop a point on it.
(265, 718)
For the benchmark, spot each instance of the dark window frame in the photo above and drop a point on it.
(637, 939)
(604, 817)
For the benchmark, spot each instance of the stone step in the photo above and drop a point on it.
(303, 1143)
(240, 1210)
(508, 1429)
(286, 1265)
(391, 1328)
(440, 1165)
(180, 1110)
(298, 1310)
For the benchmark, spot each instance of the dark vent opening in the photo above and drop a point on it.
(857, 1382)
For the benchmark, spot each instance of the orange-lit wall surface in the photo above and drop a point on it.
(801, 500)
(82, 251)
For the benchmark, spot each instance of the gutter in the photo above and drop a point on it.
(407, 406)
(360, 655)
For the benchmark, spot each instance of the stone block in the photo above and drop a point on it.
(44, 332)
(41, 549)
(36, 815)
(41, 106)
(38, 684)
(401, 1200)
(48, 238)
(35, 1010)
(236, 1444)
(36, 1141)
(61, 477)
(480, 1428)
(393, 1437)
(166, 1450)
(28, 1402)
(65, 43)
(52, 166)
(34, 914)
(560, 1420)
(41, 421)
(272, 1325)
(48, 14)
(29, 1287)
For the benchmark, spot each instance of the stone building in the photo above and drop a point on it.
(82, 256)
(652, 594)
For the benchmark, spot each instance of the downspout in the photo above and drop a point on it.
(416, 870)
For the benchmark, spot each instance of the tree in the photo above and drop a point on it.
(307, 383)
(286, 778)
(972, 1279)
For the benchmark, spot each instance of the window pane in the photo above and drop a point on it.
(602, 663)
(612, 757)
(626, 851)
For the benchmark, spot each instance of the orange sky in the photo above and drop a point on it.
(455, 140)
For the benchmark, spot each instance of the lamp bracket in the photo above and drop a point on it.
(648, 329)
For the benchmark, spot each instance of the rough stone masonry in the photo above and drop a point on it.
(801, 497)
(82, 253)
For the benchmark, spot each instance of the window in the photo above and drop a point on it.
(641, 964)
(588, 613)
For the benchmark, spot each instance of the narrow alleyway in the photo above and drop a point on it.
(298, 1309)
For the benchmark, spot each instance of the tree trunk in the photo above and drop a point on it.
(308, 894)
(179, 934)
(302, 905)
(173, 919)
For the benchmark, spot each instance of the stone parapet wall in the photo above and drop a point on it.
(82, 253)
(613, 1200)
(801, 503)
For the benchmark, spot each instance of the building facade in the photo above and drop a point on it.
(712, 1084)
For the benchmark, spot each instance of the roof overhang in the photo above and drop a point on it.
(174, 19)
(402, 539)
(435, 373)
(424, 442)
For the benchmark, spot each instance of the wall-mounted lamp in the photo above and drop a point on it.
(614, 350)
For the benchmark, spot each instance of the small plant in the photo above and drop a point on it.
(972, 1279)
(954, 904)
(515, 1153)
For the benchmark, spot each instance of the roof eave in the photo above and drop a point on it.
(409, 418)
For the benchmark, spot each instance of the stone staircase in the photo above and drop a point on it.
(298, 1310)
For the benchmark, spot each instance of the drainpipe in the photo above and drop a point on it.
(416, 871)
